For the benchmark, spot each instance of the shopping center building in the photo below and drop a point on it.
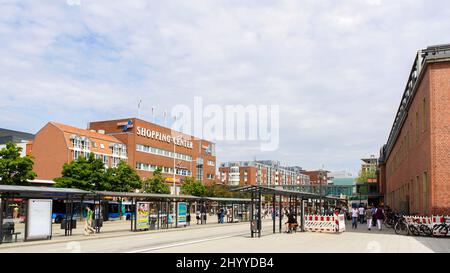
(150, 146)
(414, 163)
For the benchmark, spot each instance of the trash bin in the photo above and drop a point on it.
(8, 231)
(65, 224)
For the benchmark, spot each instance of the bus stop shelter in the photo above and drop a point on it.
(225, 202)
(161, 206)
(296, 203)
(10, 194)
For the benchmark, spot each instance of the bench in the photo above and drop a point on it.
(15, 236)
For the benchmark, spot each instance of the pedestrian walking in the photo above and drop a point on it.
(373, 210)
(361, 212)
(355, 214)
(379, 215)
(218, 216)
(88, 229)
(197, 216)
(222, 215)
(369, 217)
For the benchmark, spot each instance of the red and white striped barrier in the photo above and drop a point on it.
(428, 221)
(324, 223)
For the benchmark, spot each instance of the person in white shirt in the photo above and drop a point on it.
(355, 214)
(361, 212)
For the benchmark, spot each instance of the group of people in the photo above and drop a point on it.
(221, 213)
(372, 214)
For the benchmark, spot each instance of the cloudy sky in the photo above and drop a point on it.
(337, 69)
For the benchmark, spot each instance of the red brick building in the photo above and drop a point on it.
(414, 167)
(56, 144)
(150, 146)
(145, 146)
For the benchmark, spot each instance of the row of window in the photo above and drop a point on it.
(105, 158)
(407, 142)
(166, 170)
(161, 152)
(84, 144)
(412, 197)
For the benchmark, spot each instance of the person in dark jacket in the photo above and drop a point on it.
(379, 215)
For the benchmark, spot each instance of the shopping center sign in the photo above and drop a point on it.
(179, 141)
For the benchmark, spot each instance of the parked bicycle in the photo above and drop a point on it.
(401, 226)
(441, 229)
(419, 229)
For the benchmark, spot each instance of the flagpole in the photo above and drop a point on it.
(139, 108)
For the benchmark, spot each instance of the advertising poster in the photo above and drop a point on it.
(142, 219)
(39, 219)
(182, 213)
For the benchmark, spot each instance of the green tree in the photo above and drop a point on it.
(192, 187)
(365, 175)
(217, 190)
(83, 173)
(14, 169)
(363, 178)
(123, 178)
(156, 183)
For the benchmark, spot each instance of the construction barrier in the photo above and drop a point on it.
(324, 223)
(428, 221)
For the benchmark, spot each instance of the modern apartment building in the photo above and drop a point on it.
(266, 173)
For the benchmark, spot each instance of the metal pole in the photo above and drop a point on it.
(259, 213)
(135, 214)
(302, 214)
(158, 207)
(252, 216)
(1, 220)
(176, 214)
(273, 213)
(280, 212)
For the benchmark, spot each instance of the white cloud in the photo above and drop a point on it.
(336, 68)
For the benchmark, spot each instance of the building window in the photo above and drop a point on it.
(157, 151)
(424, 110)
(425, 193)
(417, 126)
(76, 154)
(416, 195)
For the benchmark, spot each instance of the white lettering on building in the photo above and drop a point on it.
(164, 137)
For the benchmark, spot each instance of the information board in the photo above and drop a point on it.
(182, 212)
(143, 212)
(39, 220)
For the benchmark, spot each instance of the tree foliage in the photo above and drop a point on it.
(90, 174)
(218, 190)
(123, 178)
(156, 183)
(364, 176)
(192, 187)
(14, 169)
